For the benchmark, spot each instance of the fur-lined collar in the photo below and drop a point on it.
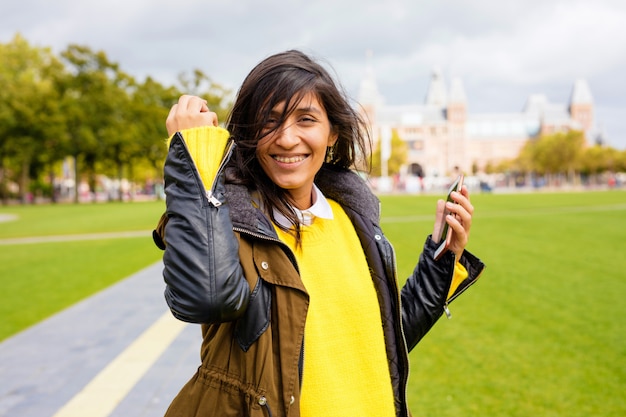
(342, 185)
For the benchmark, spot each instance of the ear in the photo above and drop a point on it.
(332, 138)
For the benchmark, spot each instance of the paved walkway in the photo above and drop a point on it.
(117, 353)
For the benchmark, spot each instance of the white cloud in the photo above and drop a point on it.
(543, 45)
(502, 49)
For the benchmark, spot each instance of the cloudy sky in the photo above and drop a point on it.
(503, 50)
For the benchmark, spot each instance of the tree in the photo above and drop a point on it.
(397, 159)
(95, 98)
(81, 104)
(621, 161)
(31, 123)
(551, 155)
(149, 107)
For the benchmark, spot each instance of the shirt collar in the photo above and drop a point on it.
(321, 208)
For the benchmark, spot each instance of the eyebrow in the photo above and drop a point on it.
(308, 109)
(304, 109)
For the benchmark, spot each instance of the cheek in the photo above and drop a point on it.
(262, 158)
(261, 149)
(263, 145)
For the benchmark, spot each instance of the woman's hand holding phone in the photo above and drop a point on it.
(453, 220)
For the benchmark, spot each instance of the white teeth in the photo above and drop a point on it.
(290, 159)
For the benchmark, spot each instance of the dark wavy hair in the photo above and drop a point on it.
(288, 77)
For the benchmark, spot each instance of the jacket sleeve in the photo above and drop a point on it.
(203, 276)
(425, 293)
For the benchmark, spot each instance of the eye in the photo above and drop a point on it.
(270, 124)
(307, 119)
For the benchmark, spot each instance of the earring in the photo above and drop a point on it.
(330, 151)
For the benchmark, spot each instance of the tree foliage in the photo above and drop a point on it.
(566, 155)
(31, 124)
(82, 105)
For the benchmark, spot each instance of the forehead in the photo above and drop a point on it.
(305, 101)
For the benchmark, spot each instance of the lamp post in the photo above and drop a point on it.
(385, 153)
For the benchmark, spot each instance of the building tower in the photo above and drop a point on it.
(581, 106)
(369, 97)
(457, 103)
(437, 95)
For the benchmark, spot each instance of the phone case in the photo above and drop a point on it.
(446, 232)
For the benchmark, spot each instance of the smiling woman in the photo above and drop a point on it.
(272, 242)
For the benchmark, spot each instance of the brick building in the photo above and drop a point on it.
(443, 137)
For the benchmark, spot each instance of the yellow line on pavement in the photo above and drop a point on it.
(100, 397)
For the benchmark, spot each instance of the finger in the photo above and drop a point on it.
(463, 200)
(212, 115)
(465, 191)
(456, 225)
(461, 214)
(195, 104)
(190, 112)
(170, 121)
(214, 121)
(183, 102)
(460, 237)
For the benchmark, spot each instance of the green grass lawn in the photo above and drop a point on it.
(39, 279)
(541, 334)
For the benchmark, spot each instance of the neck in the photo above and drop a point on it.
(302, 201)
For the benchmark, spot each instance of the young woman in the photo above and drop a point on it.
(272, 242)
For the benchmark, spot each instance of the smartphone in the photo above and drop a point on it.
(445, 238)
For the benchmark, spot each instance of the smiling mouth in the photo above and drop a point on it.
(289, 159)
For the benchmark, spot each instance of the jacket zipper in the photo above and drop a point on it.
(446, 308)
(210, 193)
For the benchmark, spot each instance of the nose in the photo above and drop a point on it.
(287, 136)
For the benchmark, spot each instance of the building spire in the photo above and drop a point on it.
(581, 93)
(368, 91)
(457, 91)
(581, 105)
(437, 94)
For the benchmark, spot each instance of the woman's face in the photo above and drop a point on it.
(292, 154)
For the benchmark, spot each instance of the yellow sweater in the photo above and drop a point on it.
(206, 146)
(345, 363)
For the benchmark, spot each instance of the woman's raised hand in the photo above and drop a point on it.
(189, 112)
(459, 219)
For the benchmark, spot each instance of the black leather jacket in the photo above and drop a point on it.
(206, 284)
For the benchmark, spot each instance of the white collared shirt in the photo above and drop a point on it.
(320, 209)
